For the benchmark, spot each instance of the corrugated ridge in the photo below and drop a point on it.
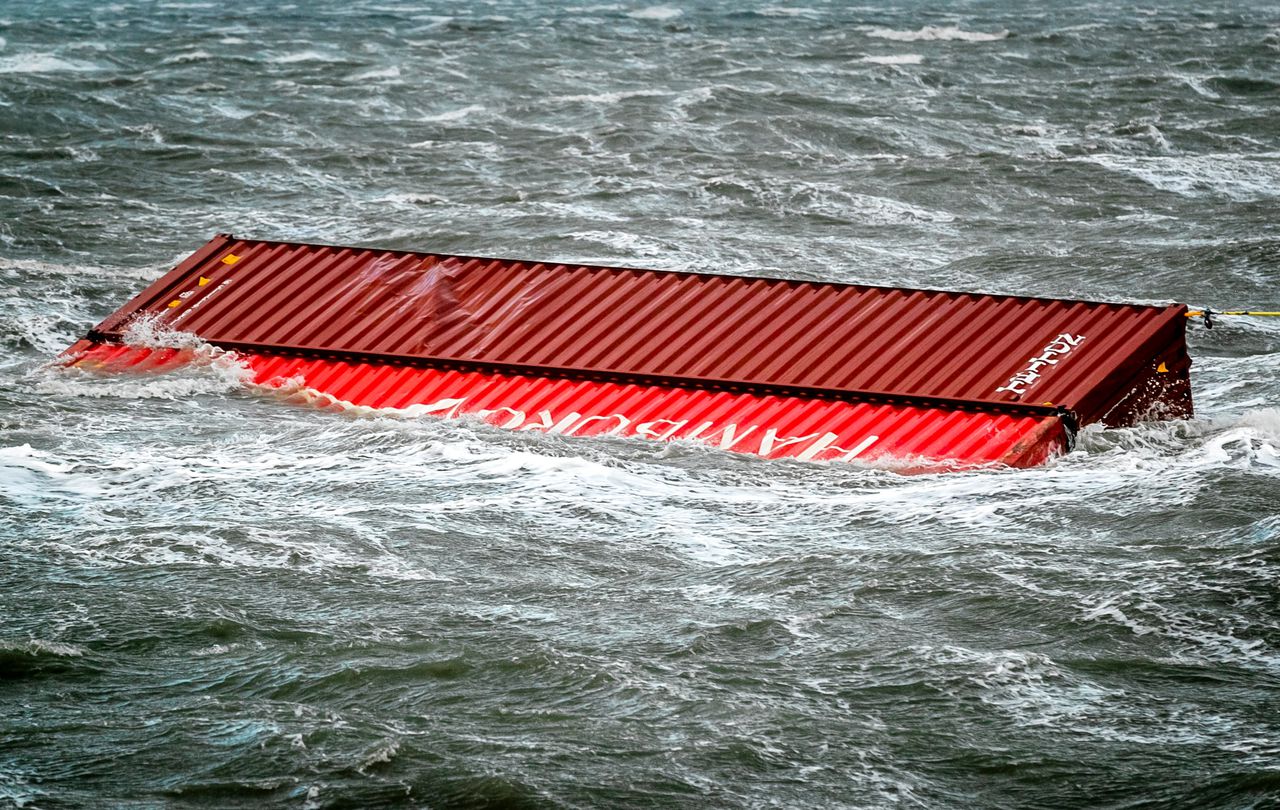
(732, 330)
(773, 426)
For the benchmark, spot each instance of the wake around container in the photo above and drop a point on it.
(778, 368)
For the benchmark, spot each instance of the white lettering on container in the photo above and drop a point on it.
(1057, 350)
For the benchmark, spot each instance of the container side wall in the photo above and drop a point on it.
(773, 427)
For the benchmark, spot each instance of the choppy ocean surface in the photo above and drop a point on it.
(211, 599)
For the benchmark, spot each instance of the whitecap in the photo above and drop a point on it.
(884, 210)
(788, 11)
(655, 13)
(392, 72)
(58, 648)
(184, 58)
(411, 198)
(615, 97)
(895, 59)
(452, 115)
(43, 63)
(1238, 177)
(382, 754)
(936, 33)
(303, 56)
(231, 111)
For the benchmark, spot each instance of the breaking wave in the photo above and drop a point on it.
(895, 59)
(1237, 177)
(660, 13)
(936, 33)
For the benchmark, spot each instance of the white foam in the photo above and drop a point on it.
(1238, 177)
(392, 72)
(185, 58)
(220, 375)
(655, 13)
(211, 370)
(615, 97)
(304, 56)
(412, 198)
(26, 457)
(34, 476)
(788, 11)
(80, 271)
(149, 331)
(231, 111)
(58, 648)
(624, 242)
(43, 63)
(895, 59)
(936, 33)
(453, 115)
(381, 754)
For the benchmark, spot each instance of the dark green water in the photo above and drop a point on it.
(210, 599)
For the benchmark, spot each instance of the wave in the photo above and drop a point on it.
(149, 331)
(788, 11)
(452, 115)
(222, 375)
(1242, 178)
(895, 59)
(210, 370)
(936, 33)
(187, 58)
(655, 13)
(616, 96)
(33, 657)
(44, 63)
(306, 56)
(392, 72)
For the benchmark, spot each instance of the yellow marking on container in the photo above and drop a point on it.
(203, 281)
(175, 303)
(230, 258)
(1162, 368)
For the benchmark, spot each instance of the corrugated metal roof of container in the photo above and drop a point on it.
(896, 344)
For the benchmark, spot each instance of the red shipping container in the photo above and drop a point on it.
(775, 367)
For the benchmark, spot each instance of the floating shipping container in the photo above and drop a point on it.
(775, 367)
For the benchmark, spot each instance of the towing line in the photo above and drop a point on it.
(1208, 314)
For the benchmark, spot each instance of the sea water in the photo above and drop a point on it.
(212, 598)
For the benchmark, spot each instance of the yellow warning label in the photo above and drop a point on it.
(175, 303)
(230, 258)
(1162, 368)
(203, 281)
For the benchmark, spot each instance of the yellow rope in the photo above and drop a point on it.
(1196, 313)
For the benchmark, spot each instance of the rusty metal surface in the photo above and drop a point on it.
(868, 342)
